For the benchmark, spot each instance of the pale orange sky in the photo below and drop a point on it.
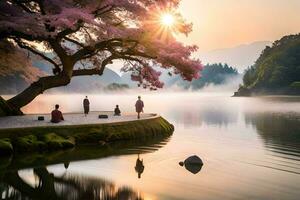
(228, 23)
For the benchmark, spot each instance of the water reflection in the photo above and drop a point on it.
(66, 165)
(280, 133)
(221, 116)
(70, 186)
(67, 186)
(83, 153)
(194, 169)
(277, 129)
(250, 147)
(209, 115)
(139, 166)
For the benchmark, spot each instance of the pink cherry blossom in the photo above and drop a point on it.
(130, 29)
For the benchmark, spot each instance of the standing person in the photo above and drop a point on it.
(86, 106)
(139, 106)
(56, 115)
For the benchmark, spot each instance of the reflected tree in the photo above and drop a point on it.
(68, 186)
(276, 127)
(278, 130)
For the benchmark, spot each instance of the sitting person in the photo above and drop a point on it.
(117, 111)
(56, 115)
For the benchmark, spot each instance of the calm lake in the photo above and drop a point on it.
(250, 148)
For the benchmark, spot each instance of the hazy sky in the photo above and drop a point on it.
(228, 23)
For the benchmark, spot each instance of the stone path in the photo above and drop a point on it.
(70, 119)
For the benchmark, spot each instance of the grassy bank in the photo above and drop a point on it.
(81, 152)
(63, 137)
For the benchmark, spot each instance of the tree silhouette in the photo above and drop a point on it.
(94, 34)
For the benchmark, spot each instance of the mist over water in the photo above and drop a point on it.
(250, 147)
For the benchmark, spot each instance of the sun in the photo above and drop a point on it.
(167, 19)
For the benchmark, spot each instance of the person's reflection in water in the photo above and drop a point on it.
(66, 165)
(139, 166)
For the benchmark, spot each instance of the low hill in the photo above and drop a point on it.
(277, 70)
(16, 82)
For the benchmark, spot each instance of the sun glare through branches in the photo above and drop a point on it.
(167, 19)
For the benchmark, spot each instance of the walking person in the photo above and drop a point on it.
(139, 106)
(86, 106)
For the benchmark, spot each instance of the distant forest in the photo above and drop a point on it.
(15, 82)
(277, 70)
(216, 74)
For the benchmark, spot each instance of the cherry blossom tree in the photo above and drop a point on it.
(88, 35)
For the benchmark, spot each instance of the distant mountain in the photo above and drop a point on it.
(91, 84)
(239, 57)
(12, 84)
(276, 71)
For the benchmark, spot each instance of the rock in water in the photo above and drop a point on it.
(193, 164)
(193, 160)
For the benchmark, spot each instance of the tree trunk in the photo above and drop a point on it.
(36, 88)
(7, 110)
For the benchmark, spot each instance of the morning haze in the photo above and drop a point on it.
(116, 105)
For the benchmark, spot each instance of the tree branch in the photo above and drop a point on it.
(29, 37)
(86, 72)
(100, 46)
(99, 71)
(103, 10)
(24, 46)
(73, 41)
(20, 4)
(95, 71)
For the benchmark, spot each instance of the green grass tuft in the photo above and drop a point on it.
(62, 137)
(6, 147)
(55, 142)
(29, 143)
(296, 84)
